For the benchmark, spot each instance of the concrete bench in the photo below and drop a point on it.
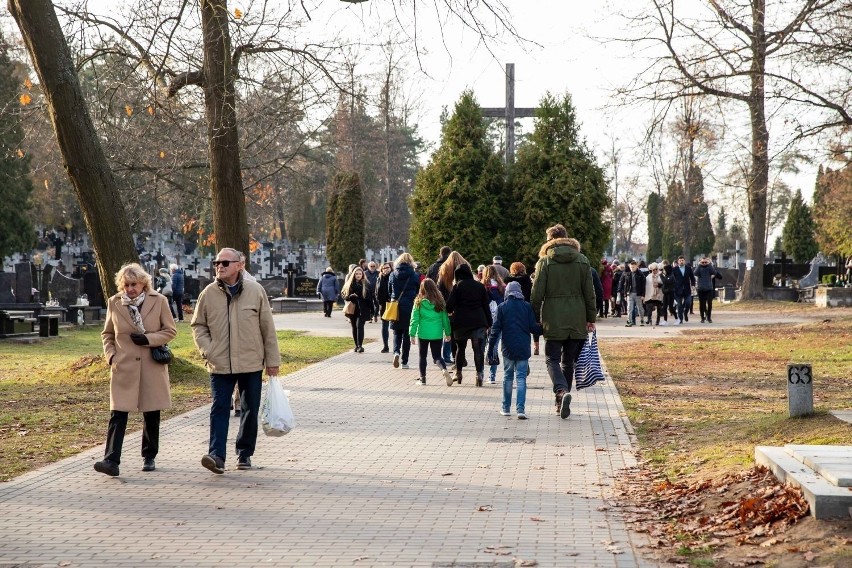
(48, 325)
(16, 322)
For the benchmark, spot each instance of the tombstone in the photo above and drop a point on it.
(42, 279)
(305, 287)
(7, 283)
(275, 286)
(64, 289)
(23, 283)
(812, 277)
(92, 288)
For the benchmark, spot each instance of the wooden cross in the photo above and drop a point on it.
(509, 113)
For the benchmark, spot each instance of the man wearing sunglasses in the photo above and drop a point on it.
(233, 329)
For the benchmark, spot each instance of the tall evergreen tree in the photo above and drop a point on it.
(16, 230)
(345, 222)
(798, 234)
(459, 197)
(832, 203)
(721, 231)
(687, 218)
(655, 226)
(557, 179)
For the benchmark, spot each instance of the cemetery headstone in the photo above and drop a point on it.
(7, 283)
(65, 289)
(812, 277)
(305, 287)
(92, 288)
(23, 283)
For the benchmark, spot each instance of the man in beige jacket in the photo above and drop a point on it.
(233, 329)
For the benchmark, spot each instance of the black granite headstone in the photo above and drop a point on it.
(23, 283)
(65, 289)
(7, 283)
(275, 286)
(305, 287)
(92, 288)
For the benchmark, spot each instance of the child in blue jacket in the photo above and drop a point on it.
(515, 322)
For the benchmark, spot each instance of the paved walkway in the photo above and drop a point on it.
(379, 472)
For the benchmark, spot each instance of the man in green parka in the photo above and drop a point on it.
(563, 299)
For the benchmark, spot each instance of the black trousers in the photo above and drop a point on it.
(327, 306)
(705, 303)
(357, 322)
(117, 428)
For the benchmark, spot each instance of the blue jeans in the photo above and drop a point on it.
(511, 369)
(683, 303)
(402, 344)
(222, 386)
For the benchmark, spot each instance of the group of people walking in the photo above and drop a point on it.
(232, 328)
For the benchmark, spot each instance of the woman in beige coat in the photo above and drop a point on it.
(138, 318)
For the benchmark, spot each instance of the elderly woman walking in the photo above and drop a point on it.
(138, 318)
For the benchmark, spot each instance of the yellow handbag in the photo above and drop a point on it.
(391, 311)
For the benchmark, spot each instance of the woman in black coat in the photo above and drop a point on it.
(382, 297)
(404, 284)
(470, 317)
(357, 291)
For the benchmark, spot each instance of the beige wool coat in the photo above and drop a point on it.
(137, 382)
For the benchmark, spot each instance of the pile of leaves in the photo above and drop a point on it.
(691, 517)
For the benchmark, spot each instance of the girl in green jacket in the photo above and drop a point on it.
(430, 324)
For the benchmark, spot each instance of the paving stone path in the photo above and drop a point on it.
(380, 472)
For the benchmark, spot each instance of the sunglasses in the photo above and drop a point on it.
(224, 263)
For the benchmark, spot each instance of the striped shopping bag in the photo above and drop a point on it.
(588, 370)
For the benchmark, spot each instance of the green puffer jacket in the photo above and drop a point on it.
(563, 296)
(426, 323)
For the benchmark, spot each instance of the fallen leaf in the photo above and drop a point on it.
(447, 473)
(537, 519)
(485, 508)
(238, 13)
(28, 84)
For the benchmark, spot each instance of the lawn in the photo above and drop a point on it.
(54, 393)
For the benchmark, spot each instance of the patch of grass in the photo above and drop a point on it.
(704, 400)
(54, 393)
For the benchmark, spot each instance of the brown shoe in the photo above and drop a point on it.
(535, 348)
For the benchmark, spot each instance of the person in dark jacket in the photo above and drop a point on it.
(372, 275)
(177, 289)
(684, 280)
(705, 276)
(470, 316)
(432, 273)
(668, 292)
(563, 300)
(606, 284)
(328, 289)
(633, 288)
(617, 291)
(596, 282)
(357, 290)
(513, 325)
(404, 284)
(382, 292)
(518, 273)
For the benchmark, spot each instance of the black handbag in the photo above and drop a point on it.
(162, 354)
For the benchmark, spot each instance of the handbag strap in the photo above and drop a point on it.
(402, 290)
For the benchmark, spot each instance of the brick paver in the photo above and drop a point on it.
(379, 472)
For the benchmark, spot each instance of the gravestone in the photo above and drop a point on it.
(64, 289)
(7, 283)
(23, 283)
(41, 284)
(191, 288)
(812, 277)
(305, 287)
(92, 288)
(275, 286)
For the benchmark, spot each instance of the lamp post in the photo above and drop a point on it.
(38, 261)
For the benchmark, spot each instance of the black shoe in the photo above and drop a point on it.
(565, 406)
(479, 379)
(709, 320)
(213, 463)
(108, 467)
(148, 464)
(244, 463)
(385, 349)
(686, 317)
(355, 350)
(360, 349)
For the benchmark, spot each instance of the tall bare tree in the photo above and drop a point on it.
(748, 52)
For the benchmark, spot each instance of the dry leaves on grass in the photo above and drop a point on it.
(743, 508)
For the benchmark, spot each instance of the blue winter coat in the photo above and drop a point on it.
(515, 322)
(404, 284)
(177, 282)
(328, 287)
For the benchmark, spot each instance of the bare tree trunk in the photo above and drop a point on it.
(226, 183)
(759, 182)
(85, 162)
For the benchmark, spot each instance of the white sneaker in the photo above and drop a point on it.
(505, 413)
(522, 416)
(676, 322)
(396, 360)
(405, 366)
(448, 377)
(664, 323)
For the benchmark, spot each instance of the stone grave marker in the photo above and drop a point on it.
(64, 289)
(23, 283)
(7, 283)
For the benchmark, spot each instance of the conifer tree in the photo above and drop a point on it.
(798, 234)
(345, 222)
(16, 229)
(557, 179)
(655, 227)
(459, 197)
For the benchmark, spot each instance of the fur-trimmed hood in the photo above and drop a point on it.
(560, 242)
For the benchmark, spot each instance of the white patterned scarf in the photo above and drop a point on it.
(133, 306)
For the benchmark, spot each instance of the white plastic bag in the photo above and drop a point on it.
(276, 417)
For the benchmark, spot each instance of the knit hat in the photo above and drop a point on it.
(513, 289)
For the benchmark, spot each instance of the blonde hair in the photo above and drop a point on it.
(133, 272)
(447, 271)
(429, 291)
(404, 258)
(490, 273)
(351, 278)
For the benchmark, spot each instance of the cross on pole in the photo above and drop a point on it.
(509, 113)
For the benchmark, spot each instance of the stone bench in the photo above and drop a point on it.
(16, 322)
(284, 305)
(826, 297)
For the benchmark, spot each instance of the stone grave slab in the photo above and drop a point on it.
(64, 289)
